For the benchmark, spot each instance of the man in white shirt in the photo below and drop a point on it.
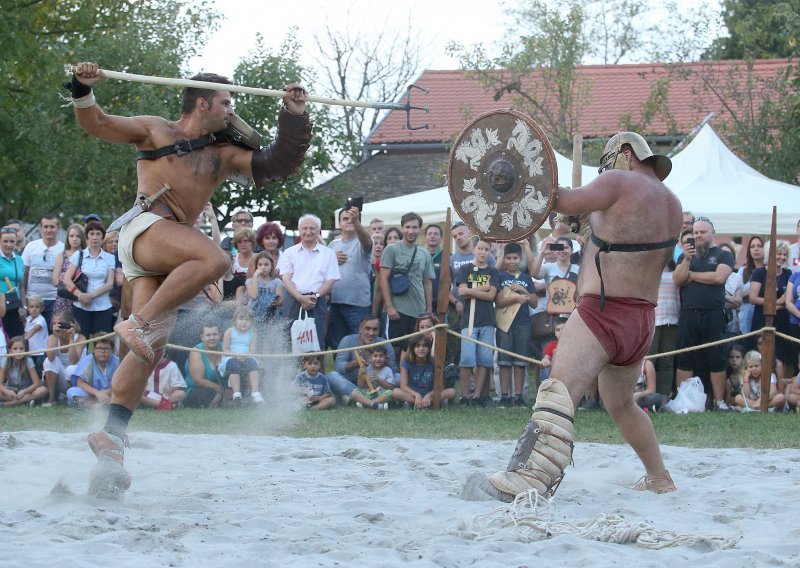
(39, 257)
(308, 271)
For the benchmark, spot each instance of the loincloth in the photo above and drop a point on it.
(624, 328)
(127, 236)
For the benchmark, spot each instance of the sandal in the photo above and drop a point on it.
(658, 483)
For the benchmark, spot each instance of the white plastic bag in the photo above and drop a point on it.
(304, 334)
(690, 398)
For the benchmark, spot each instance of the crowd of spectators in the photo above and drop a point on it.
(369, 283)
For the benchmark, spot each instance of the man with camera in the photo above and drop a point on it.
(701, 273)
(351, 297)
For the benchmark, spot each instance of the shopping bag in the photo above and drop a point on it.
(304, 334)
(690, 398)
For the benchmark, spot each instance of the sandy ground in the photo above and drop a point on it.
(275, 501)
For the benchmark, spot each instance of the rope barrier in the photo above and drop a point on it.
(530, 360)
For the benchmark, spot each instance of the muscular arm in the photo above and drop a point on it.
(600, 193)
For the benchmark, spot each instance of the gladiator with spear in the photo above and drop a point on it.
(166, 261)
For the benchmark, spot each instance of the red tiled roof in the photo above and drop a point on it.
(615, 91)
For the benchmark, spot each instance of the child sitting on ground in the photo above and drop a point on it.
(381, 377)
(165, 388)
(67, 350)
(416, 376)
(19, 381)
(241, 338)
(312, 386)
(734, 375)
(750, 399)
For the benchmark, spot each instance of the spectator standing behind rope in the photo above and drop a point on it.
(74, 242)
(784, 350)
(39, 257)
(308, 270)
(755, 259)
(12, 269)
(403, 309)
(350, 297)
(93, 308)
(701, 273)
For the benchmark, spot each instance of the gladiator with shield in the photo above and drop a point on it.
(635, 220)
(166, 261)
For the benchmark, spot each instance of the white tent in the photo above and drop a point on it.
(709, 179)
(432, 204)
(712, 182)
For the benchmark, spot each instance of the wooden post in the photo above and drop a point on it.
(442, 304)
(770, 293)
(577, 160)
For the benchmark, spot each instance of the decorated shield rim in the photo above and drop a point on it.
(546, 148)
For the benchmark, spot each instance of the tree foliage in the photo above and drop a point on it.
(47, 163)
(285, 200)
(758, 29)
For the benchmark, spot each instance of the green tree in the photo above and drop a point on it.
(757, 29)
(285, 200)
(47, 164)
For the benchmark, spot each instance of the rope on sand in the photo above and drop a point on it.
(532, 516)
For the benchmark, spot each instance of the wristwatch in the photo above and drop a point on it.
(316, 295)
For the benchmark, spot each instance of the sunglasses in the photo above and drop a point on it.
(706, 219)
(8, 230)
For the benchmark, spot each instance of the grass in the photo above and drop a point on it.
(702, 430)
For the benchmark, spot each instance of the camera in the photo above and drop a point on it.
(357, 202)
(557, 246)
(63, 325)
(690, 241)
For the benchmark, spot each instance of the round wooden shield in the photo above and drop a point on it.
(502, 176)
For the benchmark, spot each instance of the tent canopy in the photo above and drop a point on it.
(707, 177)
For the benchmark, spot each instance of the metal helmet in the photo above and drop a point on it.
(611, 154)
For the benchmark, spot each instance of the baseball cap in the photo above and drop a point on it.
(92, 217)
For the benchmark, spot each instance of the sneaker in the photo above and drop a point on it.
(133, 333)
(237, 399)
(346, 400)
(381, 406)
(465, 401)
(257, 398)
(505, 402)
(408, 406)
(485, 402)
(47, 404)
(520, 401)
(589, 404)
(359, 405)
(721, 406)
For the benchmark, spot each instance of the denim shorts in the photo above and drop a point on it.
(471, 351)
(517, 340)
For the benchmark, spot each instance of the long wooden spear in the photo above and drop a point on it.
(172, 82)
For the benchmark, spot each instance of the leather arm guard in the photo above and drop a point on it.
(284, 156)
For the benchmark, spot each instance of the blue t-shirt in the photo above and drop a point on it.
(523, 317)
(794, 279)
(420, 377)
(313, 386)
